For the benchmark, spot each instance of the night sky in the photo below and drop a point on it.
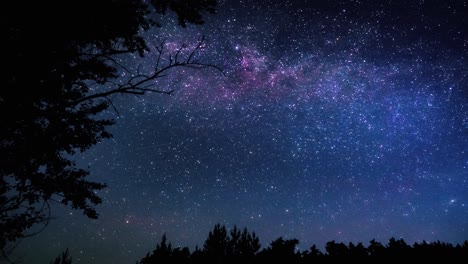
(333, 120)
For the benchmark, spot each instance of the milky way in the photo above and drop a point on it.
(332, 121)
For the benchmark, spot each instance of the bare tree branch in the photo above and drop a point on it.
(160, 50)
(113, 106)
(137, 84)
(197, 48)
(116, 63)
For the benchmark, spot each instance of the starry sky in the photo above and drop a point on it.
(333, 120)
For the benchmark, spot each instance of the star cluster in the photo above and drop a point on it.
(333, 120)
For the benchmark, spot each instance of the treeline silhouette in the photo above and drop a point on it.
(242, 246)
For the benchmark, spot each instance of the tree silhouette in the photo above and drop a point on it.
(63, 258)
(312, 255)
(280, 250)
(357, 251)
(234, 242)
(181, 256)
(235, 246)
(242, 244)
(249, 244)
(376, 249)
(397, 248)
(339, 250)
(216, 245)
(164, 253)
(57, 82)
(198, 256)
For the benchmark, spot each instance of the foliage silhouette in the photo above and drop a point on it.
(357, 251)
(243, 245)
(63, 258)
(216, 245)
(376, 249)
(280, 250)
(222, 246)
(312, 255)
(57, 82)
(164, 253)
(339, 250)
(397, 247)
(235, 246)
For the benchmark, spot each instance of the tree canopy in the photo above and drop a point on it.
(55, 52)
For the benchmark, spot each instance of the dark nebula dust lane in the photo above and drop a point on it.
(333, 120)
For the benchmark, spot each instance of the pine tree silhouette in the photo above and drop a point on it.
(216, 245)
